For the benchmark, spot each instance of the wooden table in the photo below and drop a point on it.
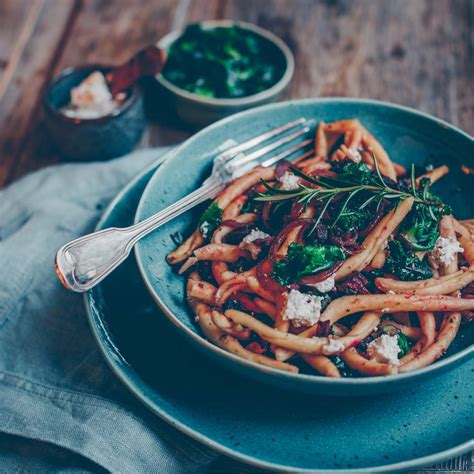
(412, 52)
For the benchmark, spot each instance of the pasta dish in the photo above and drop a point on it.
(343, 263)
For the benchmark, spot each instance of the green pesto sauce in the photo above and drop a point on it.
(223, 62)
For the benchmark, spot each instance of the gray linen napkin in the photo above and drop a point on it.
(55, 387)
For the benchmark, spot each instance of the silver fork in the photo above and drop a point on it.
(84, 262)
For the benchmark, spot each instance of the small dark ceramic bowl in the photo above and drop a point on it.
(100, 138)
(198, 110)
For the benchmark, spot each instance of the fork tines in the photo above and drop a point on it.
(283, 135)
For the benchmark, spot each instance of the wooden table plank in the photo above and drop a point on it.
(17, 21)
(415, 53)
(25, 89)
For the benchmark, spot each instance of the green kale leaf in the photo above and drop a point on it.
(305, 260)
(210, 220)
(358, 173)
(403, 342)
(405, 265)
(419, 231)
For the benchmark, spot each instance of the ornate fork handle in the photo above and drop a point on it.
(84, 262)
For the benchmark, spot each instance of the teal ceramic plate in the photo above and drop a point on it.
(258, 425)
(408, 135)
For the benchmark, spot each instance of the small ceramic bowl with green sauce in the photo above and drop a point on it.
(218, 67)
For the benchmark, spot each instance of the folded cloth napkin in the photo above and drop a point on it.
(56, 391)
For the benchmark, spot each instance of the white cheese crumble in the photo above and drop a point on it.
(384, 349)
(333, 347)
(289, 181)
(91, 98)
(254, 235)
(324, 286)
(205, 227)
(302, 309)
(355, 154)
(445, 251)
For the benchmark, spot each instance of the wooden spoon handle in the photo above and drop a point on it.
(147, 62)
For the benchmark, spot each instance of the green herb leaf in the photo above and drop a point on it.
(305, 260)
(362, 187)
(210, 220)
(404, 344)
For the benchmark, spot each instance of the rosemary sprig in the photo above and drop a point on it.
(329, 188)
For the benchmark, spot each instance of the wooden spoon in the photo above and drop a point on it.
(147, 62)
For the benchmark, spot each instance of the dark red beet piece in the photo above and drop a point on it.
(355, 284)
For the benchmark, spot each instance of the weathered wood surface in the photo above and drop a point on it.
(417, 53)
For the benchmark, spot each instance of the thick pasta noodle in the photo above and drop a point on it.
(341, 264)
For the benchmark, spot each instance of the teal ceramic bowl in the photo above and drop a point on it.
(408, 135)
(258, 424)
(197, 110)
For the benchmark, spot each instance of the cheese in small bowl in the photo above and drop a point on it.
(92, 98)
(86, 121)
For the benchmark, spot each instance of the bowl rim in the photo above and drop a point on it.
(131, 379)
(171, 37)
(70, 70)
(197, 338)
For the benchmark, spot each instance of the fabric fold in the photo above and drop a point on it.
(55, 385)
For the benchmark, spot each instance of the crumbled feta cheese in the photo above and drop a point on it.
(355, 154)
(91, 91)
(302, 309)
(205, 227)
(333, 347)
(254, 235)
(384, 349)
(289, 181)
(91, 98)
(445, 251)
(324, 286)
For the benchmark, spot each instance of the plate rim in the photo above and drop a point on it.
(130, 378)
(462, 356)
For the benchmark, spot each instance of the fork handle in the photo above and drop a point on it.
(84, 262)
